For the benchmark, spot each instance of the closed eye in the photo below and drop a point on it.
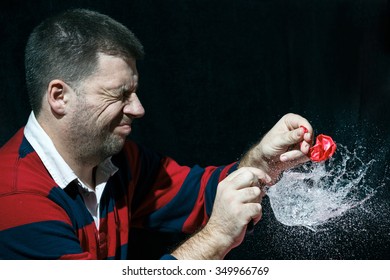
(121, 94)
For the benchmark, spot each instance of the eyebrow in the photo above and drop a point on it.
(120, 90)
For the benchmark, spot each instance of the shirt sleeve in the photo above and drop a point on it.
(168, 257)
(34, 227)
(170, 197)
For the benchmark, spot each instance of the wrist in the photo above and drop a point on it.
(220, 237)
(255, 157)
(207, 244)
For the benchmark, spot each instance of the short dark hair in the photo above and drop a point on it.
(66, 47)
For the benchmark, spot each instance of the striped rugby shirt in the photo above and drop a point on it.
(41, 218)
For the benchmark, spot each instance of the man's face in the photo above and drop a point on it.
(105, 109)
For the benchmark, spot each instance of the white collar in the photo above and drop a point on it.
(53, 161)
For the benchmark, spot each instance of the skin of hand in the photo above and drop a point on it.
(285, 146)
(239, 196)
(237, 202)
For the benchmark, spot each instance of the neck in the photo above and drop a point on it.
(82, 166)
(84, 169)
(86, 173)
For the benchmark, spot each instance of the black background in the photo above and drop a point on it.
(218, 74)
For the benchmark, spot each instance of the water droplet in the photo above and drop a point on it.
(315, 193)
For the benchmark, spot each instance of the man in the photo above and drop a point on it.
(72, 185)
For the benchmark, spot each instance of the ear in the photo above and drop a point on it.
(57, 96)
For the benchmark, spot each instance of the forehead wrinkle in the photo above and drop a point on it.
(115, 91)
(110, 92)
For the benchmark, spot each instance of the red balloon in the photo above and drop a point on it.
(323, 149)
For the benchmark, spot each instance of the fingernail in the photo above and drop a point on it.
(305, 130)
(283, 158)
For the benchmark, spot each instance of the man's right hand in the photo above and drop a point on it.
(237, 203)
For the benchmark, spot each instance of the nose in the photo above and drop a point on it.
(134, 107)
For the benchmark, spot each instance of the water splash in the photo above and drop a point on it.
(316, 193)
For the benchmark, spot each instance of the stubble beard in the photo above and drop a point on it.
(91, 144)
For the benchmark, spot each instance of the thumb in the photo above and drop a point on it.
(292, 137)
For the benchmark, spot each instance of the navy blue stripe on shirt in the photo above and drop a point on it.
(54, 238)
(116, 187)
(168, 257)
(211, 189)
(113, 192)
(72, 202)
(172, 216)
(25, 148)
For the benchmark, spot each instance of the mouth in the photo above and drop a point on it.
(124, 128)
(125, 124)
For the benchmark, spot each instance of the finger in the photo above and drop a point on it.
(290, 138)
(235, 173)
(248, 176)
(254, 212)
(241, 179)
(294, 121)
(258, 172)
(250, 195)
(294, 157)
(308, 137)
(258, 218)
(254, 220)
(304, 147)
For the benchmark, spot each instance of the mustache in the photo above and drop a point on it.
(120, 122)
(124, 120)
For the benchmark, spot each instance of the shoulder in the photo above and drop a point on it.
(21, 168)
